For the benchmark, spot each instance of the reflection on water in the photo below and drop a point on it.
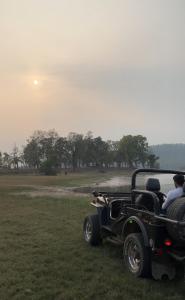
(166, 181)
(116, 181)
(122, 183)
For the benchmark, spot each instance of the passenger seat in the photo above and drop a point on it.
(146, 201)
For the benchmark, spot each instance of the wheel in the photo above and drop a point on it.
(176, 211)
(136, 255)
(91, 230)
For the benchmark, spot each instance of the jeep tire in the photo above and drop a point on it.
(91, 230)
(136, 255)
(176, 211)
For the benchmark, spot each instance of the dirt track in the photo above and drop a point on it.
(49, 191)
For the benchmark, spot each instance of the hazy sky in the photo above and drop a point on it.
(110, 66)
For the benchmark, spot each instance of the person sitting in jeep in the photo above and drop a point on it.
(175, 193)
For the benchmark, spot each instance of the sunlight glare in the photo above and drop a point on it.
(35, 82)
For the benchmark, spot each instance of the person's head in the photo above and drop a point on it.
(178, 180)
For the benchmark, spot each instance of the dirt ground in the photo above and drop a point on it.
(50, 191)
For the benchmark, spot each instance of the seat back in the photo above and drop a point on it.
(146, 201)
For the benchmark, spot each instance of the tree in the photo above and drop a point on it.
(88, 150)
(117, 154)
(141, 149)
(47, 149)
(47, 167)
(111, 153)
(40, 148)
(62, 151)
(134, 150)
(1, 159)
(47, 144)
(100, 151)
(15, 157)
(152, 160)
(6, 160)
(75, 146)
(127, 149)
(32, 154)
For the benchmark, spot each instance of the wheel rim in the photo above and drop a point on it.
(134, 256)
(88, 231)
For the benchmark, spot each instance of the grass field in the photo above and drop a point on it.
(43, 254)
(70, 180)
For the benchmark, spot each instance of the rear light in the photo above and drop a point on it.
(159, 252)
(168, 242)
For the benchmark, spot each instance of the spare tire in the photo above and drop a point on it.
(176, 211)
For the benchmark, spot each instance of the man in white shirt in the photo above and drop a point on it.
(175, 193)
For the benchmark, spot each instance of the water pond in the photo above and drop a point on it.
(123, 183)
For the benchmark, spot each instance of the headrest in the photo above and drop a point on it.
(153, 185)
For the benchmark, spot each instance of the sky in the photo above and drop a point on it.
(113, 67)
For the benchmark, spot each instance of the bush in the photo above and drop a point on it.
(48, 168)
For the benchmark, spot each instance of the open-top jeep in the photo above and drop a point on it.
(153, 243)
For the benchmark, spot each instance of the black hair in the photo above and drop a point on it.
(179, 179)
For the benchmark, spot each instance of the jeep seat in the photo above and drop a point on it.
(146, 201)
(153, 185)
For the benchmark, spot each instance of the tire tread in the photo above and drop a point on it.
(146, 267)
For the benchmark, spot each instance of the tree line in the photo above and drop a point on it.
(47, 152)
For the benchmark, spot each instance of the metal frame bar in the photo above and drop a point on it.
(148, 193)
(156, 171)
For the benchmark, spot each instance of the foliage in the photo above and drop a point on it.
(15, 157)
(135, 151)
(49, 152)
(47, 167)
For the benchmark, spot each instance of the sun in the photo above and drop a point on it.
(35, 82)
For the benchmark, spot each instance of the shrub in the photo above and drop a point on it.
(48, 168)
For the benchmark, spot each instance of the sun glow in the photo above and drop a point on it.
(35, 82)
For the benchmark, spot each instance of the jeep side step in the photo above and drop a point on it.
(107, 232)
(115, 241)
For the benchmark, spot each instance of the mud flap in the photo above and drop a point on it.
(163, 271)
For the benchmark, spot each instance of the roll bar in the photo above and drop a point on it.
(158, 171)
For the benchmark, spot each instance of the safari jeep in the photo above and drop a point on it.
(153, 243)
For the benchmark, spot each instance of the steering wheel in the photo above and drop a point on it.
(163, 194)
(162, 199)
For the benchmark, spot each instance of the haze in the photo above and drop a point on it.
(112, 67)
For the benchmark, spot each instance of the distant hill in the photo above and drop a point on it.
(172, 156)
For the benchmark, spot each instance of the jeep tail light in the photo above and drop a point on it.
(159, 252)
(168, 242)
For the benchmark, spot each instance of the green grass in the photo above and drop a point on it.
(70, 180)
(43, 255)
